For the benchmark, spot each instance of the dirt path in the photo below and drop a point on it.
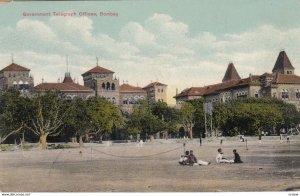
(270, 166)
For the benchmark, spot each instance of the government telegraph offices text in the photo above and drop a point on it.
(71, 14)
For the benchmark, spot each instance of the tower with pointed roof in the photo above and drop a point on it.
(231, 73)
(283, 64)
(16, 76)
(102, 81)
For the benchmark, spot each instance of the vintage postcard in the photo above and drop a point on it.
(197, 96)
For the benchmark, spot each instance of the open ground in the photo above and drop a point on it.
(269, 166)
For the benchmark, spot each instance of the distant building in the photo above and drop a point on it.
(102, 82)
(282, 83)
(16, 76)
(130, 95)
(156, 91)
(67, 87)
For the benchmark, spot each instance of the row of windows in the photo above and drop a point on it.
(19, 74)
(108, 86)
(132, 100)
(285, 94)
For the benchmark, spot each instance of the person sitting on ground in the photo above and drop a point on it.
(237, 158)
(194, 161)
(221, 159)
(185, 159)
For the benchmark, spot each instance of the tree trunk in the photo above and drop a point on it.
(166, 135)
(100, 138)
(43, 141)
(80, 141)
(190, 130)
(74, 140)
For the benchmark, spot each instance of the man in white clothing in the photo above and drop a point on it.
(221, 159)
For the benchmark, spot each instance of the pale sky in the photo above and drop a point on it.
(179, 43)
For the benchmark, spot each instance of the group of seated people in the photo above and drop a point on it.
(190, 159)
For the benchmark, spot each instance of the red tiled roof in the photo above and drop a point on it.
(155, 84)
(231, 73)
(14, 67)
(215, 88)
(286, 79)
(98, 69)
(193, 91)
(63, 87)
(129, 88)
(68, 79)
(282, 62)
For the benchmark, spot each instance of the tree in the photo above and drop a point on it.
(249, 116)
(48, 115)
(188, 117)
(169, 117)
(77, 119)
(14, 113)
(103, 116)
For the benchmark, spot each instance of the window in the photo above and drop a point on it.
(158, 90)
(285, 94)
(114, 100)
(103, 85)
(162, 90)
(256, 95)
(113, 87)
(297, 94)
(107, 86)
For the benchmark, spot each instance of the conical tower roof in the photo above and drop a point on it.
(231, 73)
(282, 63)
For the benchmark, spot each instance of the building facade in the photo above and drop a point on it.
(156, 91)
(282, 84)
(130, 95)
(102, 82)
(68, 87)
(16, 76)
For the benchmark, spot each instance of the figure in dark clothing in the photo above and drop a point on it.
(185, 159)
(237, 158)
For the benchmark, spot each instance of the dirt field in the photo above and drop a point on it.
(269, 166)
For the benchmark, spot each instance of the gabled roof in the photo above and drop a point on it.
(231, 73)
(63, 87)
(14, 67)
(282, 62)
(98, 69)
(193, 91)
(129, 88)
(68, 78)
(286, 79)
(154, 84)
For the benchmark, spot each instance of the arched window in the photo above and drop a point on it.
(285, 94)
(103, 85)
(107, 86)
(125, 100)
(114, 100)
(113, 87)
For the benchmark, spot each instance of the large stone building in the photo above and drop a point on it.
(108, 86)
(103, 83)
(156, 91)
(16, 76)
(68, 87)
(129, 95)
(282, 83)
